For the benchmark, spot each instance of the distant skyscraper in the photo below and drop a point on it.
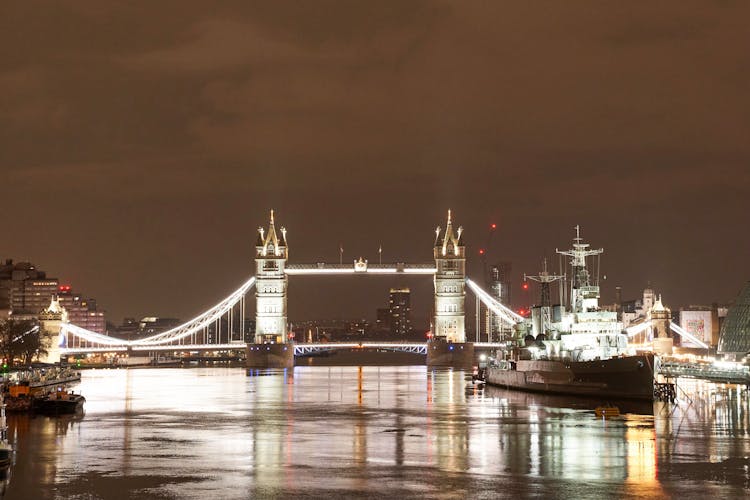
(399, 308)
(498, 283)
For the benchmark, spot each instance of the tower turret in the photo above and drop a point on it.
(271, 254)
(450, 276)
(661, 317)
(51, 320)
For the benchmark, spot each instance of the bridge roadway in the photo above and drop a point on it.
(299, 349)
(358, 267)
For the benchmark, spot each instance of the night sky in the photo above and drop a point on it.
(141, 146)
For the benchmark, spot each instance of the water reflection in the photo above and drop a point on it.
(341, 431)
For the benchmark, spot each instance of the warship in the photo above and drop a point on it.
(579, 350)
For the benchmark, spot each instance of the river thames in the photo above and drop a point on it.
(370, 432)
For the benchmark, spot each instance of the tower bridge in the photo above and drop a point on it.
(223, 326)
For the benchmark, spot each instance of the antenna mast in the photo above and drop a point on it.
(580, 286)
(545, 279)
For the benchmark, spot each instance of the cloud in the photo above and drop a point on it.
(535, 113)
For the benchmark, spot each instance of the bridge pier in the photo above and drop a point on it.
(456, 355)
(269, 355)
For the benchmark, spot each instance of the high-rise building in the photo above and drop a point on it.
(399, 311)
(383, 318)
(24, 289)
(81, 311)
(498, 283)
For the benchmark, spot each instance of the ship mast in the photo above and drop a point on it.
(544, 278)
(583, 295)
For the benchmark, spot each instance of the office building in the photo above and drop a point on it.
(399, 311)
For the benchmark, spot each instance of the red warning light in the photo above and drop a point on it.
(493, 226)
(481, 251)
(525, 286)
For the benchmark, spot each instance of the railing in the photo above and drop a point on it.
(305, 349)
(732, 373)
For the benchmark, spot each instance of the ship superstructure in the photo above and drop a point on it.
(584, 332)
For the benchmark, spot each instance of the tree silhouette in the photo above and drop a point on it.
(22, 340)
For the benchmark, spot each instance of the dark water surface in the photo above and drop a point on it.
(378, 432)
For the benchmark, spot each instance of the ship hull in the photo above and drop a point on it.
(630, 377)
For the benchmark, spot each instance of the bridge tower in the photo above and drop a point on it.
(450, 278)
(271, 254)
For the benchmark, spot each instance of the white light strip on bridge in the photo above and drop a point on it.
(494, 305)
(383, 345)
(191, 347)
(201, 321)
(319, 271)
(374, 270)
(175, 348)
(684, 333)
(179, 332)
(632, 331)
(304, 349)
(94, 337)
(86, 350)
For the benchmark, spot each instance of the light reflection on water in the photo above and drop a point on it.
(391, 431)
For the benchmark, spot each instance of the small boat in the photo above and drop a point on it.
(58, 402)
(18, 397)
(606, 411)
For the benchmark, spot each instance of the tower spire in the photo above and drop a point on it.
(269, 241)
(451, 240)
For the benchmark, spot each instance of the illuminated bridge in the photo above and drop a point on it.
(223, 327)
